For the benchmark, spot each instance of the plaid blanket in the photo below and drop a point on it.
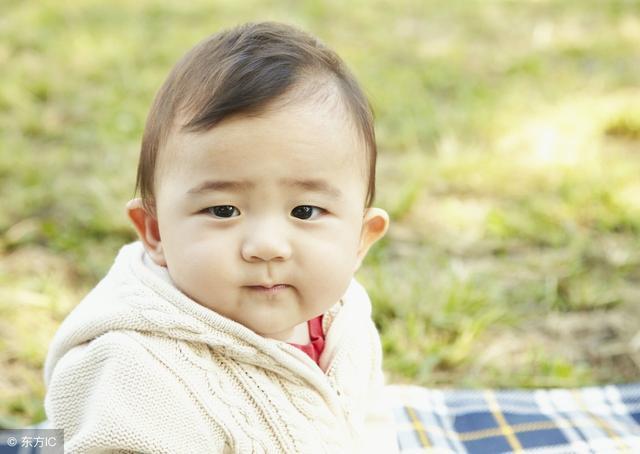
(587, 420)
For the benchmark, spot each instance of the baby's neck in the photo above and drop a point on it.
(300, 335)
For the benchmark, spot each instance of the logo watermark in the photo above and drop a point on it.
(32, 440)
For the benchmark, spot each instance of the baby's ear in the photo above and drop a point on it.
(374, 226)
(146, 225)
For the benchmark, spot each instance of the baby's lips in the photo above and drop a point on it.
(269, 286)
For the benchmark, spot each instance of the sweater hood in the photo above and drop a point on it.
(131, 297)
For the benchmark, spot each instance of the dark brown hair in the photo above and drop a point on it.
(244, 70)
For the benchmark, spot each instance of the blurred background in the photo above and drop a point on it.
(509, 160)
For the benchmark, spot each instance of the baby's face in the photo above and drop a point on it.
(260, 218)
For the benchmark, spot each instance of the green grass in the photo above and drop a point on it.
(509, 138)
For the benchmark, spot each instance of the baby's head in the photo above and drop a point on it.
(257, 170)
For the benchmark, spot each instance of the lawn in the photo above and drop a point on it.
(509, 160)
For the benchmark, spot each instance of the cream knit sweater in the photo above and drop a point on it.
(137, 366)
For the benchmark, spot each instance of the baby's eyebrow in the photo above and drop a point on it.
(313, 185)
(212, 186)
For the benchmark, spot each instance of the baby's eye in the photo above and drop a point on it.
(223, 211)
(306, 211)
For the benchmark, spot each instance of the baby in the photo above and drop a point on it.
(235, 323)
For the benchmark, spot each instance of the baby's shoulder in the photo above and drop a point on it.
(116, 384)
(114, 350)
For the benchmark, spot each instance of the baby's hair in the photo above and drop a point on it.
(246, 70)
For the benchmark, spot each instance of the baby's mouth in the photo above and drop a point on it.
(269, 289)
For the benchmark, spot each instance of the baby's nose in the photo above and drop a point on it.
(265, 243)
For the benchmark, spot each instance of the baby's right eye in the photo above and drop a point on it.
(223, 211)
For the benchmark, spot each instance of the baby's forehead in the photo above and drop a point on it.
(253, 158)
(298, 135)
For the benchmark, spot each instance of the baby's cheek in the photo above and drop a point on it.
(333, 264)
(201, 270)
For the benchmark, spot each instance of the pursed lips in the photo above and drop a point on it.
(269, 289)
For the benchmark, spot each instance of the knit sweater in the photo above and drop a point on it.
(138, 366)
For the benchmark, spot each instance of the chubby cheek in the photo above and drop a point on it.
(328, 266)
(201, 269)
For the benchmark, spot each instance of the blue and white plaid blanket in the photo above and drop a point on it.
(602, 419)
(586, 420)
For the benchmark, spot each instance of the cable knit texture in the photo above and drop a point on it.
(137, 366)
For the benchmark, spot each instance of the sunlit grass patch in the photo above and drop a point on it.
(433, 320)
(536, 368)
(530, 233)
(37, 290)
(625, 125)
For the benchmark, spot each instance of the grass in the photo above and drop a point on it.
(508, 162)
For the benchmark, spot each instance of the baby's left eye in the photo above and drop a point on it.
(306, 211)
